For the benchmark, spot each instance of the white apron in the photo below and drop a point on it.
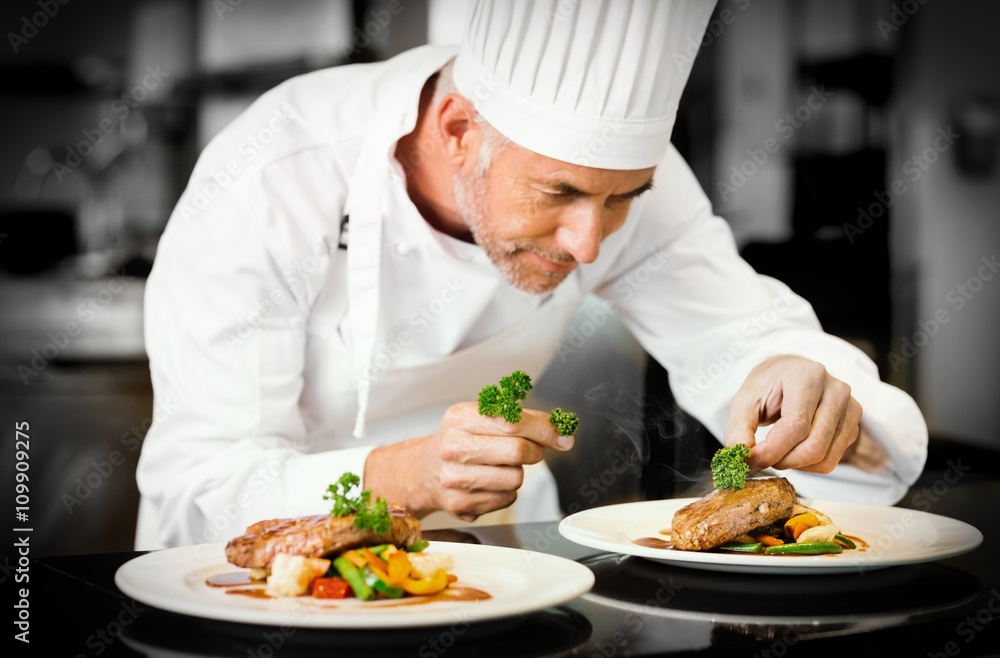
(400, 403)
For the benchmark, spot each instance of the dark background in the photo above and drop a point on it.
(76, 243)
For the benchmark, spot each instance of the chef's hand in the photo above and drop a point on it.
(472, 465)
(816, 421)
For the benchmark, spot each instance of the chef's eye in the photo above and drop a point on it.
(617, 201)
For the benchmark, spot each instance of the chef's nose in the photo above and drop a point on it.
(580, 232)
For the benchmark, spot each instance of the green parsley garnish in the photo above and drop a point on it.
(729, 467)
(367, 515)
(565, 421)
(505, 400)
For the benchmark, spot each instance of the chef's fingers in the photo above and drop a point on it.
(796, 394)
(744, 416)
(469, 478)
(534, 426)
(474, 490)
(824, 431)
(492, 449)
(469, 506)
(847, 433)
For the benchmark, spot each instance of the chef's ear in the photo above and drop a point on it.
(457, 129)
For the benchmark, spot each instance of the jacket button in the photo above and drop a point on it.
(402, 248)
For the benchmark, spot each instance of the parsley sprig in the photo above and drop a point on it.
(729, 467)
(504, 399)
(367, 515)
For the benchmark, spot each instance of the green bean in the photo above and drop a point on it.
(807, 548)
(353, 577)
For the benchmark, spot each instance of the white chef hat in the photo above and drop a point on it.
(590, 82)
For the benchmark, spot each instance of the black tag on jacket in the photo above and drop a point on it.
(342, 241)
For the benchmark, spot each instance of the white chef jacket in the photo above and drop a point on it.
(274, 325)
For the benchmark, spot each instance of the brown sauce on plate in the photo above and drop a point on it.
(252, 592)
(861, 544)
(653, 542)
(449, 594)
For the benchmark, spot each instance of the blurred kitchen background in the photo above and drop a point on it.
(893, 108)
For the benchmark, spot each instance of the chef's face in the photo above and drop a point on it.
(538, 218)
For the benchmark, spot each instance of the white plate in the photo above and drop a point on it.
(895, 536)
(517, 582)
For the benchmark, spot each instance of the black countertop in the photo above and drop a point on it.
(636, 607)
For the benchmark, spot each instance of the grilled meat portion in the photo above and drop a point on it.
(725, 514)
(315, 536)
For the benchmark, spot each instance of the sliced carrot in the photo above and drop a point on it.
(375, 561)
(768, 540)
(796, 525)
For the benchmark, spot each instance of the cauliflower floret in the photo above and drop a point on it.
(291, 575)
(799, 508)
(818, 533)
(425, 564)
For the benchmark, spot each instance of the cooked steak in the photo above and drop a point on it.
(315, 536)
(725, 514)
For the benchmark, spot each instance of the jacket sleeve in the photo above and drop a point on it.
(225, 330)
(698, 308)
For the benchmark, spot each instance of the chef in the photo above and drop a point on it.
(367, 246)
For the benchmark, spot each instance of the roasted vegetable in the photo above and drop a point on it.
(353, 576)
(754, 547)
(331, 588)
(810, 548)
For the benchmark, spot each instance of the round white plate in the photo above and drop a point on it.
(517, 582)
(895, 536)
